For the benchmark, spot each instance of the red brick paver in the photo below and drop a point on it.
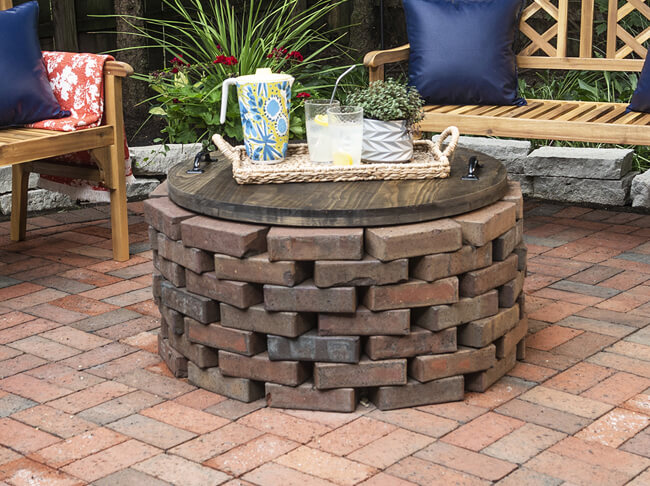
(84, 398)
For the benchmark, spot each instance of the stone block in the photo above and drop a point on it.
(308, 397)
(217, 336)
(479, 334)
(509, 293)
(287, 243)
(414, 293)
(419, 341)
(200, 308)
(364, 374)
(312, 347)
(393, 242)
(258, 319)
(213, 380)
(164, 328)
(521, 349)
(507, 344)
(525, 182)
(365, 322)
(593, 191)
(141, 188)
(463, 361)
(437, 266)
(596, 163)
(480, 281)
(522, 256)
(161, 190)
(505, 244)
(174, 319)
(225, 237)
(172, 272)
(479, 382)
(467, 309)
(515, 196)
(175, 361)
(259, 269)
(153, 238)
(158, 159)
(511, 153)
(640, 190)
(415, 394)
(522, 305)
(239, 294)
(202, 356)
(306, 297)
(261, 368)
(39, 200)
(198, 261)
(369, 271)
(485, 224)
(165, 216)
(156, 284)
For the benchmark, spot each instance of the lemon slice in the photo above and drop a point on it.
(342, 158)
(321, 120)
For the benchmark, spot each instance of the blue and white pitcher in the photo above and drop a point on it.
(264, 104)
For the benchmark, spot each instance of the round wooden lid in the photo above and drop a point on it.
(338, 204)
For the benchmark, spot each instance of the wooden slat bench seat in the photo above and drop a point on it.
(545, 119)
(28, 150)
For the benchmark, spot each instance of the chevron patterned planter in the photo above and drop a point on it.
(386, 141)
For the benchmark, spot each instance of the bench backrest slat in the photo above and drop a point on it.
(548, 49)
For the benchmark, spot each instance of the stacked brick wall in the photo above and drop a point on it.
(315, 318)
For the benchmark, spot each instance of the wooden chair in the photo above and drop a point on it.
(27, 150)
(551, 119)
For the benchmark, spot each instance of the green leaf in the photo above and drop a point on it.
(157, 110)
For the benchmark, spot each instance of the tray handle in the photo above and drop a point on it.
(452, 132)
(224, 147)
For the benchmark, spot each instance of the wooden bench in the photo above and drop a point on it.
(546, 119)
(27, 150)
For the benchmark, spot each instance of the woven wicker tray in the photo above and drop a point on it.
(428, 162)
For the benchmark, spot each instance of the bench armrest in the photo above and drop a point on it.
(375, 60)
(117, 68)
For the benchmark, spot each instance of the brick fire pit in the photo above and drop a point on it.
(316, 317)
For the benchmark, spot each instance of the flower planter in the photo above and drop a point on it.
(386, 141)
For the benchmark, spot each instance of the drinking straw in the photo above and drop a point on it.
(339, 79)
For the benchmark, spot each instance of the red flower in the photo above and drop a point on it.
(295, 56)
(218, 47)
(303, 95)
(179, 61)
(226, 60)
(174, 70)
(277, 53)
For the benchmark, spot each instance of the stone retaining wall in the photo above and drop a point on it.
(315, 318)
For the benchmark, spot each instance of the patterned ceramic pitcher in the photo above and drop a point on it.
(264, 104)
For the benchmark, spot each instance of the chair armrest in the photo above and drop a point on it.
(378, 58)
(117, 68)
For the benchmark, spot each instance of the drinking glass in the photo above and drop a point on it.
(318, 137)
(346, 134)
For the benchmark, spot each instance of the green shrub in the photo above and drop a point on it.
(209, 43)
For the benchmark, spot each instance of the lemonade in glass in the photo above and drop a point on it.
(346, 134)
(318, 136)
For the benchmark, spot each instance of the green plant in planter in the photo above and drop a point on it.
(210, 42)
(390, 109)
(389, 100)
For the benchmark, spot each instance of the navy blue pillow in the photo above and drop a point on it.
(462, 50)
(25, 93)
(641, 98)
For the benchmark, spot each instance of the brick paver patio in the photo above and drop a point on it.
(84, 398)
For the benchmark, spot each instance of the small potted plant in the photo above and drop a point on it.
(390, 108)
